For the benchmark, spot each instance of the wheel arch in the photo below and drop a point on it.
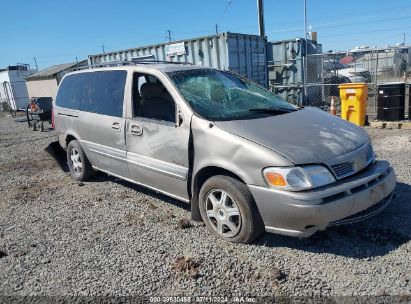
(199, 178)
(66, 138)
(69, 138)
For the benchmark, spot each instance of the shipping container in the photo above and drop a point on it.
(241, 53)
(286, 66)
(285, 60)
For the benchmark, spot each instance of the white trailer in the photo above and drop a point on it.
(13, 89)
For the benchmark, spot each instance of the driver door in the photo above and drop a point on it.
(157, 145)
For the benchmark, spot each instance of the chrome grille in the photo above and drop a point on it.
(348, 168)
(343, 170)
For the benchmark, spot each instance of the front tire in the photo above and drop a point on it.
(229, 211)
(79, 165)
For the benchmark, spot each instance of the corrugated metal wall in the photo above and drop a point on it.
(245, 54)
(286, 67)
(285, 60)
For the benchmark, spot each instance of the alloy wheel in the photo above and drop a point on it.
(223, 213)
(76, 161)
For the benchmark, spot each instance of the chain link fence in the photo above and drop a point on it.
(325, 72)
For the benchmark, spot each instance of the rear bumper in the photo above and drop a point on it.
(301, 214)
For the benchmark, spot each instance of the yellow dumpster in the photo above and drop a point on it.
(354, 102)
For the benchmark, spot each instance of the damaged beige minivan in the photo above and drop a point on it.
(246, 160)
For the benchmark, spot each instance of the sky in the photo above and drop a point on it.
(57, 31)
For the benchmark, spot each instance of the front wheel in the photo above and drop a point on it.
(79, 165)
(229, 211)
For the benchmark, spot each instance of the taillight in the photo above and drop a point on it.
(52, 118)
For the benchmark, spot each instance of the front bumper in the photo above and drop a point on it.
(301, 214)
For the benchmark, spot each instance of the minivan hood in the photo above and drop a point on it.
(306, 136)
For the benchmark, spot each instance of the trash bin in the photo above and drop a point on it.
(353, 102)
(391, 101)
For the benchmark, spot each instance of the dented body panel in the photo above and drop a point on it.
(306, 136)
(302, 214)
(219, 148)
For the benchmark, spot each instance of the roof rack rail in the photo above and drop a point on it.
(122, 63)
(148, 61)
(105, 64)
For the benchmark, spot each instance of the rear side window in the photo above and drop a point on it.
(104, 92)
(96, 92)
(70, 92)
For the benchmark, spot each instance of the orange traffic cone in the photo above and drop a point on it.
(333, 110)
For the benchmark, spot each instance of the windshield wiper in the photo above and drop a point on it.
(273, 110)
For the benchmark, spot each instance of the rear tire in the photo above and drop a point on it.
(79, 165)
(229, 211)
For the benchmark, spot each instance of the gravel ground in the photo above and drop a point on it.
(110, 237)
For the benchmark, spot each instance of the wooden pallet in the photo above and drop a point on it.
(391, 124)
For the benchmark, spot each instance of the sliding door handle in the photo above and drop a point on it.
(116, 126)
(136, 130)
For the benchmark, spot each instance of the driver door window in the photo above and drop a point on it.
(151, 99)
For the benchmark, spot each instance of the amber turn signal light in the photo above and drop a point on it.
(275, 179)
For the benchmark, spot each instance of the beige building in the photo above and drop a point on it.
(44, 83)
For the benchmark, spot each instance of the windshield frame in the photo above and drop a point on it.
(251, 114)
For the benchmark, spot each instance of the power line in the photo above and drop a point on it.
(365, 41)
(224, 11)
(332, 17)
(314, 19)
(339, 24)
(361, 33)
(329, 25)
(366, 13)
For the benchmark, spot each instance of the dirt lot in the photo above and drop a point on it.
(109, 237)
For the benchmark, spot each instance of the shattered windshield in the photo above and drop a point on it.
(217, 95)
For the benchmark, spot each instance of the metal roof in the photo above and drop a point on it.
(53, 70)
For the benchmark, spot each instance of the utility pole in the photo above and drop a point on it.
(261, 27)
(216, 29)
(168, 36)
(103, 48)
(305, 52)
(35, 63)
(403, 40)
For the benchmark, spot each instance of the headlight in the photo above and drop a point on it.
(297, 178)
